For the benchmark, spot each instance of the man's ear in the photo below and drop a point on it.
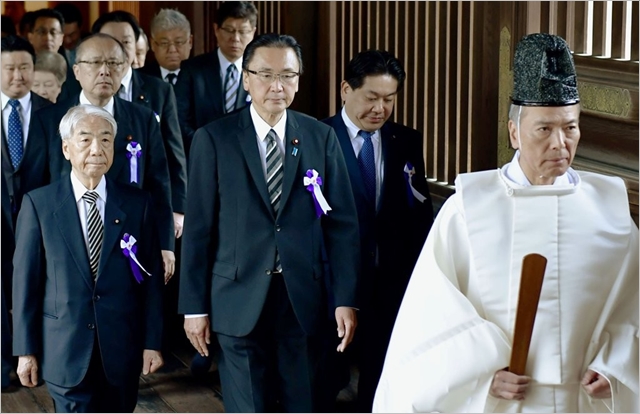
(513, 134)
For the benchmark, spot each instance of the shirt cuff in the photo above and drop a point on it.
(196, 315)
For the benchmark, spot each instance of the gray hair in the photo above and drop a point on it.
(52, 62)
(169, 19)
(78, 113)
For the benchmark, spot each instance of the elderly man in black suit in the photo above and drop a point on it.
(140, 157)
(210, 85)
(171, 41)
(87, 294)
(156, 95)
(387, 175)
(266, 186)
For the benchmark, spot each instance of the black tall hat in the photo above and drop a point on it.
(543, 72)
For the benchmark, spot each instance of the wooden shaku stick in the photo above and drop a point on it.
(533, 267)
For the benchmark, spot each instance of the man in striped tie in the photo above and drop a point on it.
(86, 319)
(252, 246)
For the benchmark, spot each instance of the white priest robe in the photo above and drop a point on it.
(455, 326)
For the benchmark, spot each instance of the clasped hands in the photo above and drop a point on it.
(509, 386)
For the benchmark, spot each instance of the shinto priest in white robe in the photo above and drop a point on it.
(455, 327)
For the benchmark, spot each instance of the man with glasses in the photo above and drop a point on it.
(140, 158)
(46, 32)
(171, 42)
(267, 187)
(209, 85)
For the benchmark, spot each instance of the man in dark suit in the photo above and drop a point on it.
(8, 247)
(387, 174)
(24, 153)
(253, 235)
(210, 85)
(140, 158)
(155, 95)
(88, 318)
(171, 41)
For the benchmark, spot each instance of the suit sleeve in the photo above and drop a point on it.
(198, 240)
(154, 285)
(340, 226)
(42, 127)
(186, 107)
(157, 182)
(174, 149)
(28, 285)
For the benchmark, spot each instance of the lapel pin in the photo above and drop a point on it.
(141, 97)
(129, 137)
(295, 143)
(117, 221)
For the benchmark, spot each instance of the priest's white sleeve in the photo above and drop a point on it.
(442, 355)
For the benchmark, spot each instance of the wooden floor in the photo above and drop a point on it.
(170, 390)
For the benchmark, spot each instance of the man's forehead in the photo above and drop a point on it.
(46, 21)
(170, 33)
(101, 48)
(237, 23)
(18, 56)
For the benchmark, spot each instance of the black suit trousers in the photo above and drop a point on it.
(275, 367)
(95, 394)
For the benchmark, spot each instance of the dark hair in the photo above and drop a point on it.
(237, 10)
(80, 47)
(13, 43)
(118, 16)
(70, 13)
(373, 63)
(7, 25)
(25, 23)
(48, 14)
(271, 40)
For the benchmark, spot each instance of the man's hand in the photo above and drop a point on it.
(509, 386)
(178, 222)
(151, 361)
(347, 322)
(169, 264)
(28, 370)
(197, 330)
(596, 385)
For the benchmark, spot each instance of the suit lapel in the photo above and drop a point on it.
(290, 161)
(66, 215)
(138, 94)
(213, 83)
(247, 139)
(114, 219)
(386, 136)
(120, 145)
(350, 157)
(241, 101)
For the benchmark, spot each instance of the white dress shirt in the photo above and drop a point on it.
(108, 107)
(357, 142)
(164, 72)
(78, 191)
(224, 65)
(127, 83)
(25, 115)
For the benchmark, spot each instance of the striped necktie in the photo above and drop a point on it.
(15, 139)
(231, 85)
(275, 173)
(94, 230)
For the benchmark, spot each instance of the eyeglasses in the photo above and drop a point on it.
(97, 64)
(268, 77)
(232, 32)
(43, 32)
(167, 45)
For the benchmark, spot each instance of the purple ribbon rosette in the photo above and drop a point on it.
(134, 152)
(409, 172)
(129, 249)
(313, 182)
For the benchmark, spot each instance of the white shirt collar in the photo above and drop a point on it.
(224, 64)
(352, 129)
(25, 102)
(513, 171)
(262, 128)
(164, 72)
(127, 82)
(108, 107)
(79, 189)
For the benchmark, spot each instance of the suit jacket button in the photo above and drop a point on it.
(278, 228)
(268, 271)
(91, 326)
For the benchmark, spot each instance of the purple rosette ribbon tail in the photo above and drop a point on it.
(134, 151)
(313, 181)
(129, 249)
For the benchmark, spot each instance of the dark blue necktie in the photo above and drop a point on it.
(15, 133)
(367, 164)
